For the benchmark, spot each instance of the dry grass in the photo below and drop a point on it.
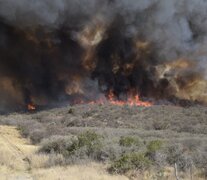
(38, 161)
(13, 149)
(79, 172)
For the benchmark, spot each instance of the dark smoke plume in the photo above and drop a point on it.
(63, 51)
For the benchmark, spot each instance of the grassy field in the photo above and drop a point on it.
(130, 141)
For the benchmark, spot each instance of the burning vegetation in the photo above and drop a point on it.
(92, 61)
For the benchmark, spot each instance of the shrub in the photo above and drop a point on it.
(154, 146)
(24, 132)
(71, 111)
(178, 154)
(90, 139)
(160, 125)
(37, 135)
(152, 149)
(93, 141)
(129, 141)
(87, 144)
(56, 144)
(131, 161)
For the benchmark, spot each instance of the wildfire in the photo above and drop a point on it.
(31, 107)
(132, 100)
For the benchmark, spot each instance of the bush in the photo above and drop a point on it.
(132, 161)
(160, 125)
(154, 146)
(90, 141)
(37, 135)
(178, 154)
(56, 144)
(71, 111)
(24, 131)
(84, 145)
(129, 141)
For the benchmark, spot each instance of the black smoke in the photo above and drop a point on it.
(42, 59)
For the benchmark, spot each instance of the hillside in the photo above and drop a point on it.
(103, 134)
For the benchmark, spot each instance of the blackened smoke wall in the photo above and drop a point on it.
(52, 51)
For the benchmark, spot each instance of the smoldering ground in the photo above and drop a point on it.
(55, 51)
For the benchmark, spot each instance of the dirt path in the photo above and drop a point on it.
(14, 152)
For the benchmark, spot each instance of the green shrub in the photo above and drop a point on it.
(152, 149)
(87, 144)
(154, 146)
(132, 161)
(55, 144)
(88, 140)
(129, 141)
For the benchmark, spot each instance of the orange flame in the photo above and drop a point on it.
(131, 101)
(31, 107)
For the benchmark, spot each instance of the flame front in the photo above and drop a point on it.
(31, 107)
(132, 100)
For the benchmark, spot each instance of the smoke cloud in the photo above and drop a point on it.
(64, 50)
